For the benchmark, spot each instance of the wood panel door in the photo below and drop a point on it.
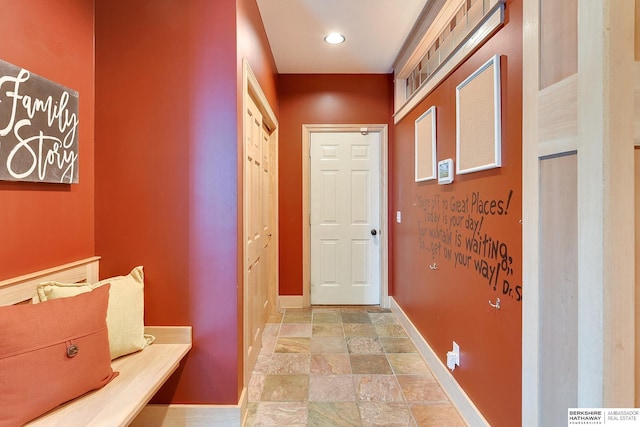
(345, 218)
(259, 220)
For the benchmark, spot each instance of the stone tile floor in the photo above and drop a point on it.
(343, 366)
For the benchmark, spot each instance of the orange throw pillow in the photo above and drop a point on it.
(52, 352)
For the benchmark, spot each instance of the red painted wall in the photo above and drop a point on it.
(316, 99)
(43, 225)
(451, 303)
(167, 76)
(253, 46)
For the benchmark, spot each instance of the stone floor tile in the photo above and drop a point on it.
(297, 316)
(250, 417)
(378, 388)
(268, 345)
(327, 330)
(330, 364)
(378, 310)
(385, 330)
(398, 345)
(442, 415)
(326, 316)
(364, 345)
(328, 345)
(355, 317)
(334, 414)
(295, 330)
(275, 318)
(262, 364)
(289, 364)
(256, 384)
(359, 330)
(285, 388)
(408, 363)
(383, 319)
(290, 414)
(376, 414)
(331, 388)
(370, 364)
(421, 388)
(292, 345)
(271, 330)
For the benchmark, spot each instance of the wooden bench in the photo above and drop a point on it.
(141, 374)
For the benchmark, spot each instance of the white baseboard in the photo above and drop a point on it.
(290, 301)
(457, 395)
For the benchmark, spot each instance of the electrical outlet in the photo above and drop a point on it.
(453, 357)
(398, 217)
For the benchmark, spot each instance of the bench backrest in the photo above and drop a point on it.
(22, 289)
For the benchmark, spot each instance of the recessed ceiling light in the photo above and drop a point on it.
(334, 38)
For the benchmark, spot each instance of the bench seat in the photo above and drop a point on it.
(141, 376)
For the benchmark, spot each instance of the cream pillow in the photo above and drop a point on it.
(125, 312)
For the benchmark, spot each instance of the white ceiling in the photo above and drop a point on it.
(374, 29)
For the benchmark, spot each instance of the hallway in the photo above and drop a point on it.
(343, 366)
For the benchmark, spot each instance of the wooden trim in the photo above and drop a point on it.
(415, 44)
(456, 393)
(558, 111)
(636, 155)
(291, 301)
(530, 216)
(189, 415)
(636, 93)
(22, 288)
(605, 204)
(636, 35)
(170, 334)
(491, 24)
(307, 130)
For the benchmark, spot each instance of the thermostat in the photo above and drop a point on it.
(445, 171)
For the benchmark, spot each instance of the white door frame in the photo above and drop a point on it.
(307, 130)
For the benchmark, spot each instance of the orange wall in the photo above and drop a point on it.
(43, 225)
(167, 172)
(451, 303)
(254, 47)
(316, 99)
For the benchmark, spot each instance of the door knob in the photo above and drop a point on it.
(374, 231)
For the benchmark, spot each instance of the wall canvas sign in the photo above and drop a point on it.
(38, 128)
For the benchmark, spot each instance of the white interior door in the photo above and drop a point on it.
(345, 218)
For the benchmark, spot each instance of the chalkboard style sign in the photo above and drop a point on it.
(38, 128)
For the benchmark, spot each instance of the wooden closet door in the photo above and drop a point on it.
(578, 311)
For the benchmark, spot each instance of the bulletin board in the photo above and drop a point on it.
(478, 125)
(425, 145)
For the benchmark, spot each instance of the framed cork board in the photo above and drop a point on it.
(478, 124)
(425, 142)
